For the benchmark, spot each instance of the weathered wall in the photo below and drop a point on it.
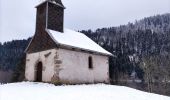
(75, 67)
(68, 66)
(46, 57)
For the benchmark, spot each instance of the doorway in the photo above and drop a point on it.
(38, 74)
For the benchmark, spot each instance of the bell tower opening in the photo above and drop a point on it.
(50, 15)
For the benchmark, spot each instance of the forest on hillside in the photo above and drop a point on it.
(141, 51)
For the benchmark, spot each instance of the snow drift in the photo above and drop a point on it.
(42, 91)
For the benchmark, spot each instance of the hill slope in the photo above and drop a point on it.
(41, 91)
(141, 49)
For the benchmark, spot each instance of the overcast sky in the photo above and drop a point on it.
(17, 17)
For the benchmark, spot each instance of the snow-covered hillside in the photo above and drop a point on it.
(42, 91)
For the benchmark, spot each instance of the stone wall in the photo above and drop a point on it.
(68, 66)
(75, 69)
(47, 59)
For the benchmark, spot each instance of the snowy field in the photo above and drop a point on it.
(42, 91)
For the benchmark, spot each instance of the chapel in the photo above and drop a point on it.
(58, 54)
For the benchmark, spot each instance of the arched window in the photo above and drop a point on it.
(90, 60)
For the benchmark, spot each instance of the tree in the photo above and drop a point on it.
(19, 72)
(147, 65)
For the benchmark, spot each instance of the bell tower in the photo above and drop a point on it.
(50, 15)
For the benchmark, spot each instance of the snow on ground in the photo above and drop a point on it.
(43, 91)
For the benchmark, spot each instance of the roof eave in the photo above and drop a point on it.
(87, 50)
(25, 51)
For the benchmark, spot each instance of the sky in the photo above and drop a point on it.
(17, 17)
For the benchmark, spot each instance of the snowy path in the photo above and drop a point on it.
(41, 91)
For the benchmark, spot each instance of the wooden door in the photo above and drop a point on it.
(39, 72)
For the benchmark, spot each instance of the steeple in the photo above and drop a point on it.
(50, 15)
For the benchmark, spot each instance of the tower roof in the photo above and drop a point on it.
(57, 2)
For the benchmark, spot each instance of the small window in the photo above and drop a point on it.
(90, 63)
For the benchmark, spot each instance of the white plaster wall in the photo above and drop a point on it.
(74, 67)
(48, 65)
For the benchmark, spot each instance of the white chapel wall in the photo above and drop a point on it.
(68, 66)
(46, 57)
(75, 67)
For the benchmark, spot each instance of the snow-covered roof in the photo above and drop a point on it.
(53, 2)
(77, 40)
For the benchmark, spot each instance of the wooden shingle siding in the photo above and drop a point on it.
(55, 17)
(41, 40)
